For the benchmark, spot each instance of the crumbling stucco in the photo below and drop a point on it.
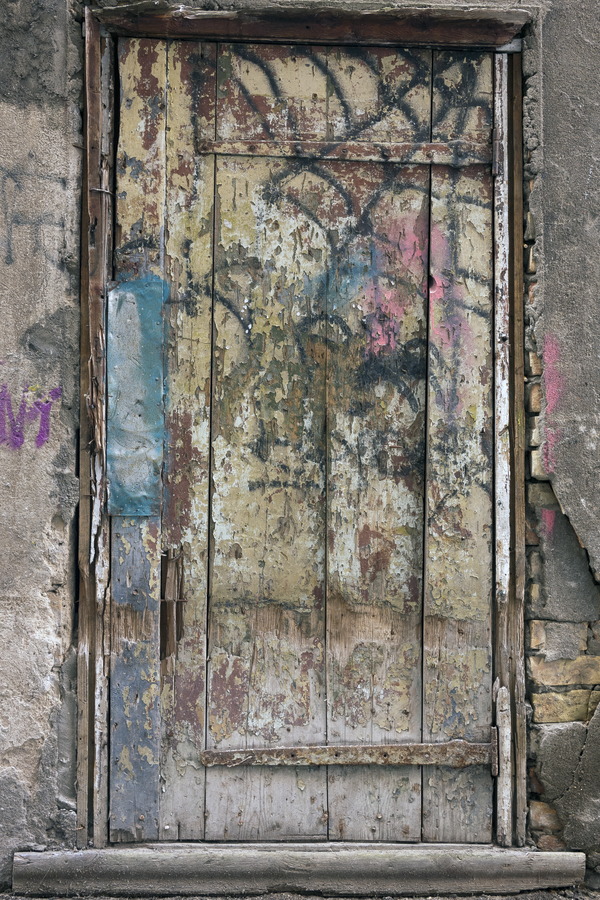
(39, 262)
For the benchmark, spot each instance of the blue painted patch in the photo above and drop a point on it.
(135, 424)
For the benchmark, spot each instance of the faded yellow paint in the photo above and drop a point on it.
(141, 157)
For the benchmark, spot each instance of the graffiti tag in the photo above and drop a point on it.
(33, 407)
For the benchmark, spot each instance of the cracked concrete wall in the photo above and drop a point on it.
(40, 104)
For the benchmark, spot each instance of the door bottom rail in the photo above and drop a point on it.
(457, 754)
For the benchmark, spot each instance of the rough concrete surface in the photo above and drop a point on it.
(39, 262)
(568, 590)
(575, 893)
(568, 201)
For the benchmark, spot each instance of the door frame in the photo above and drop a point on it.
(485, 30)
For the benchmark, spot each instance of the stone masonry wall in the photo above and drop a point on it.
(40, 181)
(562, 116)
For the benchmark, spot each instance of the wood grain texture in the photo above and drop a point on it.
(462, 96)
(189, 271)
(517, 618)
(452, 753)
(458, 568)
(94, 546)
(455, 153)
(375, 435)
(483, 28)
(360, 870)
(87, 605)
(135, 543)
(135, 679)
(502, 457)
(266, 615)
(504, 785)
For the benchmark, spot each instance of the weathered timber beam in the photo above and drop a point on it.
(351, 870)
(483, 28)
(454, 153)
(457, 754)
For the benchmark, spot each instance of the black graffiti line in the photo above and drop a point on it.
(256, 60)
(391, 98)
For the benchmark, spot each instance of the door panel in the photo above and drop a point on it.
(323, 553)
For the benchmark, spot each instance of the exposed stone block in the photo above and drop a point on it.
(592, 879)
(534, 593)
(535, 564)
(558, 640)
(558, 751)
(533, 398)
(569, 592)
(541, 495)
(594, 638)
(537, 632)
(579, 806)
(543, 817)
(573, 706)
(583, 670)
(537, 468)
(534, 434)
(533, 364)
(550, 842)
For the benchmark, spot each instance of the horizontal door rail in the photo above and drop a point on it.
(452, 153)
(457, 754)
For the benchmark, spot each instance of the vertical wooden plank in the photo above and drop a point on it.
(457, 673)
(266, 613)
(189, 265)
(502, 368)
(134, 694)
(135, 542)
(504, 784)
(92, 677)
(93, 207)
(376, 360)
(502, 440)
(459, 557)
(517, 618)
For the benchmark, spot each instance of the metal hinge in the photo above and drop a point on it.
(457, 754)
(497, 155)
(494, 752)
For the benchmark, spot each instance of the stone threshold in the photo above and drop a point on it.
(332, 869)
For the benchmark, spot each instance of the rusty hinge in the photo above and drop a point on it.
(494, 752)
(457, 754)
(172, 596)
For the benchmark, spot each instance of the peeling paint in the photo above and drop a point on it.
(135, 419)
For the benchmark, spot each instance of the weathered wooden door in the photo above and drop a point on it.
(300, 444)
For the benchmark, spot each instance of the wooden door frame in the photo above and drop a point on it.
(484, 30)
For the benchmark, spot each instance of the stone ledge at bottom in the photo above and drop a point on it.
(332, 869)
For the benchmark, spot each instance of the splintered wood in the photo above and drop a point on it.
(326, 531)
